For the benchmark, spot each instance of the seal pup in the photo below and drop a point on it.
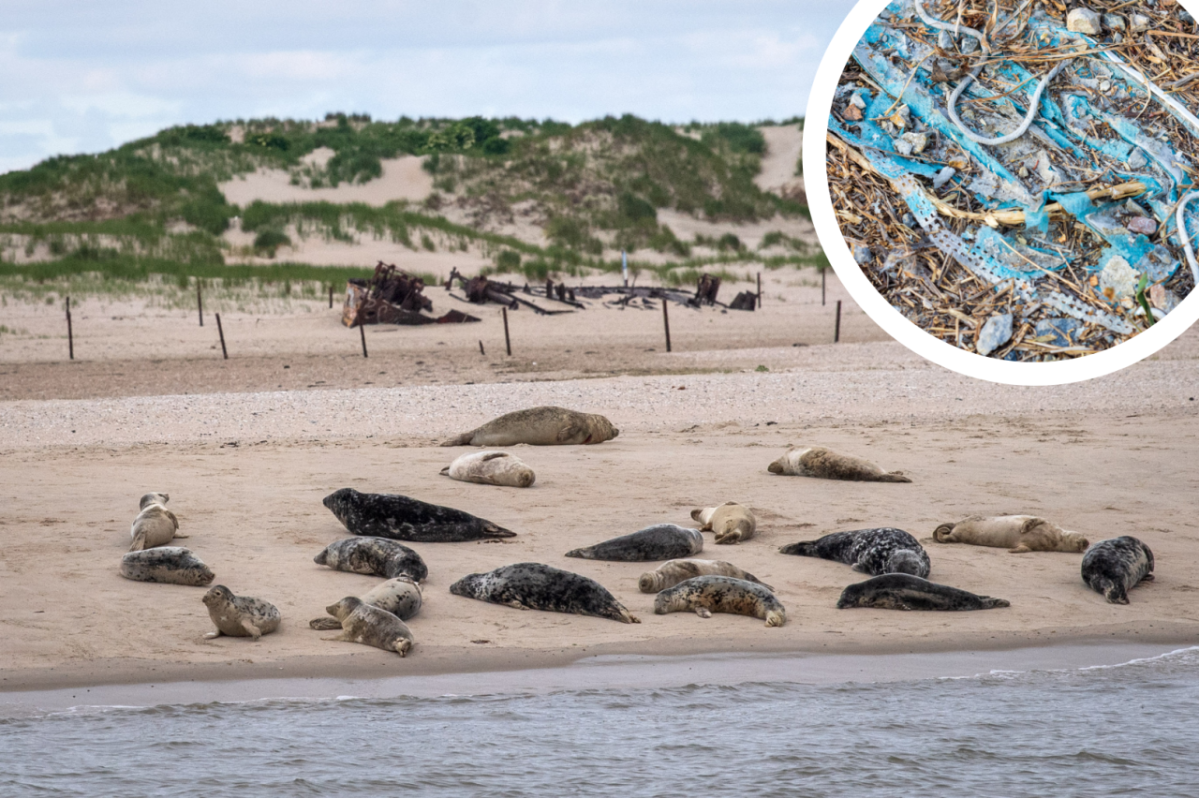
(170, 564)
(816, 461)
(539, 426)
(1115, 566)
(1016, 533)
(907, 592)
(669, 574)
(885, 550)
(657, 542)
(491, 468)
(374, 556)
(534, 586)
(239, 616)
(709, 594)
(388, 515)
(369, 625)
(155, 525)
(732, 522)
(400, 596)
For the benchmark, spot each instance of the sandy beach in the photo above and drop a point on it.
(247, 450)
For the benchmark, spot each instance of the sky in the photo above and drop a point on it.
(87, 75)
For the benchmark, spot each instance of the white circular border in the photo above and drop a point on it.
(820, 203)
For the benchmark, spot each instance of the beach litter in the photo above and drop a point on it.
(999, 158)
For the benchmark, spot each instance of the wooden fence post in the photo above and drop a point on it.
(507, 340)
(221, 332)
(70, 334)
(666, 323)
(837, 329)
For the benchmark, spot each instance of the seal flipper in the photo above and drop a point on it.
(570, 431)
(492, 456)
(325, 624)
(894, 476)
(492, 531)
(703, 612)
(139, 542)
(445, 472)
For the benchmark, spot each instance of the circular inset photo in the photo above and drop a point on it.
(1019, 179)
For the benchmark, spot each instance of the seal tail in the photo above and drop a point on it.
(989, 603)
(941, 534)
(805, 548)
(139, 542)
(893, 476)
(460, 440)
(493, 531)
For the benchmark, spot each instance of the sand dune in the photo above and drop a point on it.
(403, 179)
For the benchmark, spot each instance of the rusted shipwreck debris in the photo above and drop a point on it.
(482, 289)
(392, 296)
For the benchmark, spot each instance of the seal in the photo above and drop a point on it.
(374, 556)
(1016, 533)
(907, 592)
(387, 515)
(669, 574)
(239, 616)
(170, 564)
(816, 461)
(885, 550)
(709, 594)
(491, 468)
(1115, 566)
(369, 625)
(155, 525)
(731, 522)
(534, 586)
(539, 426)
(657, 542)
(400, 596)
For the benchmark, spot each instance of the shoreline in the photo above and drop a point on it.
(458, 663)
(544, 672)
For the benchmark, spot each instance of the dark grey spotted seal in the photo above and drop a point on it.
(370, 626)
(1115, 566)
(885, 550)
(375, 556)
(657, 542)
(907, 592)
(400, 596)
(534, 586)
(708, 594)
(171, 564)
(239, 616)
(388, 515)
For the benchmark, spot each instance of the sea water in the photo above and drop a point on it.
(1103, 731)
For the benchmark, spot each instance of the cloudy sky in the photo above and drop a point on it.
(84, 76)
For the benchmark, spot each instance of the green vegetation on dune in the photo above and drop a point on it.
(153, 206)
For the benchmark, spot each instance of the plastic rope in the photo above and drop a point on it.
(1184, 237)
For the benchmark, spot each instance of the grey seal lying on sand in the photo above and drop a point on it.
(539, 426)
(389, 515)
(534, 586)
(907, 592)
(1114, 567)
(708, 594)
(657, 542)
(885, 550)
(816, 461)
